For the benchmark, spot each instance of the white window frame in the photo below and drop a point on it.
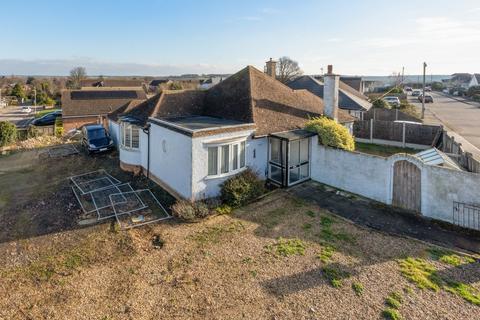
(125, 128)
(231, 145)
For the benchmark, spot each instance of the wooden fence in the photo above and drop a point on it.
(397, 132)
(388, 115)
(455, 150)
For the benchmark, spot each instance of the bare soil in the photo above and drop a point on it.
(225, 267)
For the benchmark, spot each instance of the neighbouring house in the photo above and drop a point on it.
(474, 81)
(191, 141)
(111, 83)
(210, 82)
(350, 100)
(155, 84)
(80, 107)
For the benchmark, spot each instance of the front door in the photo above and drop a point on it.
(288, 161)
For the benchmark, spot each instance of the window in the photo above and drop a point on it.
(226, 158)
(130, 136)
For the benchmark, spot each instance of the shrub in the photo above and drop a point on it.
(8, 133)
(331, 133)
(58, 127)
(381, 104)
(190, 211)
(473, 91)
(242, 188)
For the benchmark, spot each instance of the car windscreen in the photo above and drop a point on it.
(96, 133)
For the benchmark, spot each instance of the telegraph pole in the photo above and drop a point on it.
(423, 94)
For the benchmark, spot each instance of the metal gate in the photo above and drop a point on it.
(407, 179)
(466, 215)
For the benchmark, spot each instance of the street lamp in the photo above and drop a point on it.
(423, 94)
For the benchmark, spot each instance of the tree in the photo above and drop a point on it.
(18, 91)
(287, 69)
(8, 133)
(381, 104)
(76, 75)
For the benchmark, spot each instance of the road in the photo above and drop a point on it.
(15, 115)
(458, 116)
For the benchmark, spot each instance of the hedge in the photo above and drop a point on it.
(331, 133)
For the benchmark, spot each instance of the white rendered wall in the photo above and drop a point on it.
(113, 129)
(170, 159)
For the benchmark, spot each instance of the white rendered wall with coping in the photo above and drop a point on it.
(372, 177)
(113, 130)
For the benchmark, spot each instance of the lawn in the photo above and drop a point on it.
(382, 150)
(278, 258)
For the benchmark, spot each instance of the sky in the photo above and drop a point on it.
(158, 37)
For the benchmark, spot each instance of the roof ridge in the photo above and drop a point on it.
(157, 105)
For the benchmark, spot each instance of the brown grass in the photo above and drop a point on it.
(220, 268)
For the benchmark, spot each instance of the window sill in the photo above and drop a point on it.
(129, 149)
(223, 175)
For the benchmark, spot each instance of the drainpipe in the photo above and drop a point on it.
(146, 130)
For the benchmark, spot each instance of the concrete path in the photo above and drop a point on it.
(460, 117)
(387, 219)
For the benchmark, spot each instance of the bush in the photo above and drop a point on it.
(381, 104)
(190, 211)
(242, 188)
(331, 133)
(473, 91)
(8, 133)
(58, 127)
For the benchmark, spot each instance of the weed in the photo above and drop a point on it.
(215, 233)
(247, 260)
(465, 291)
(408, 290)
(288, 247)
(73, 261)
(307, 226)
(298, 202)
(394, 300)
(310, 213)
(335, 276)
(391, 314)
(357, 288)
(254, 273)
(421, 273)
(224, 209)
(449, 257)
(326, 253)
(326, 221)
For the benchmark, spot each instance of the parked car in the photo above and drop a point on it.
(428, 89)
(96, 138)
(392, 100)
(408, 89)
(428, 98)
(416, 93)
(26, 109)
(47, 119)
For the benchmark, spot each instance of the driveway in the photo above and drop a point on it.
(457, 116)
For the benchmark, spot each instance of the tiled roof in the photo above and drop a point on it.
(249, 96)
(97, 102)
(348, 98)
(123, 83)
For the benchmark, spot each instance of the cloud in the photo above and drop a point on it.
(250, 18)
(94, 67)
(333, 40)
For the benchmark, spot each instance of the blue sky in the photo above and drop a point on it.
(212, 36)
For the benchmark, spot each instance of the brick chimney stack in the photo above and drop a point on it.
(330, 93)
(271, 68)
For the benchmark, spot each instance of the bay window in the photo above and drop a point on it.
(226, 158)
(130, 136)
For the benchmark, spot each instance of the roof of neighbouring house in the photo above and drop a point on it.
(97, 102)
(249, 96)
(349, 98)
(157, 82)
(99, 82)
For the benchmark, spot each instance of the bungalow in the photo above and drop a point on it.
(80, 107)
(350, 100)
(190, 141)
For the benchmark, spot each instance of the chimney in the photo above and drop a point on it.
(330, 93)
(271, 68)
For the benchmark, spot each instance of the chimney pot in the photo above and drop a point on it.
(330, 69)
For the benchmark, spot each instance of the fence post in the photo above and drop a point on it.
(396, 114)
(403, 134)
(371, 128)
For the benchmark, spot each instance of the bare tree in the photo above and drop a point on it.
(288, 69)
(77, 74)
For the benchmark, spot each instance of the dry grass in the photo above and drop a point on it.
(260, 262)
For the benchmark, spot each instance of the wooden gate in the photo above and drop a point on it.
(407, 186)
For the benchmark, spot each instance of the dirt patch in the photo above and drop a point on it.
(262, 262)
